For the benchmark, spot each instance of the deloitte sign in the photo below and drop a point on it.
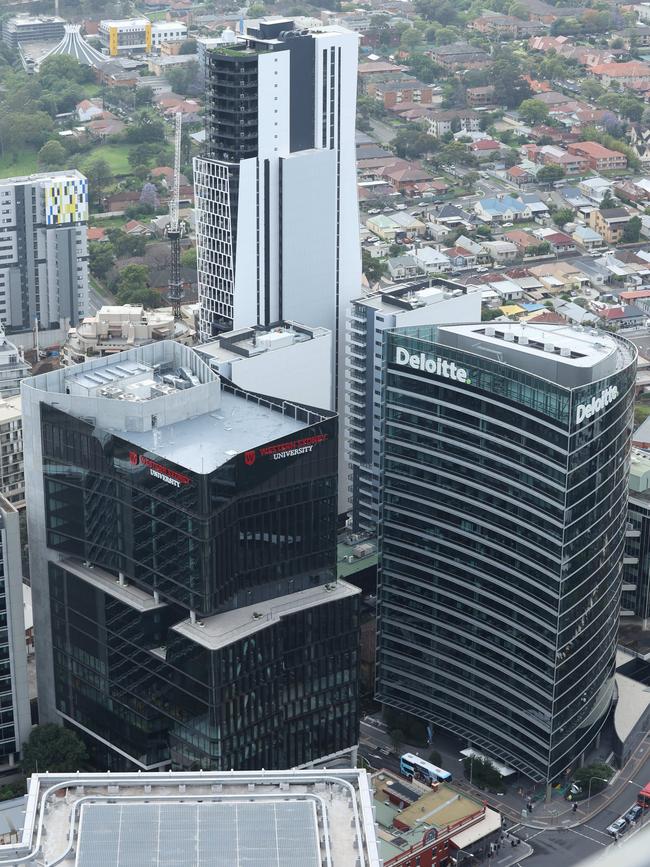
(430, 364)
(596, 404)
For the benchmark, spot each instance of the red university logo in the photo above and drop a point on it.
(133, 457)
(249, 458)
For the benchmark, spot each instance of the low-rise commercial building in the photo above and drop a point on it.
(138, 35)
(418, 825)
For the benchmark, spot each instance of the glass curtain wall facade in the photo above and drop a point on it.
(196, 619)
(502, 536)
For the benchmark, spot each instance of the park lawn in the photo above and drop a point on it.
(26, 163)
(116, 155)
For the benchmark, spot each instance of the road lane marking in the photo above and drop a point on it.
(586, 836)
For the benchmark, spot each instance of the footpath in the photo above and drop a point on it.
(558, 813)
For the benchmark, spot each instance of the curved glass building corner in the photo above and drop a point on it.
(503, 514)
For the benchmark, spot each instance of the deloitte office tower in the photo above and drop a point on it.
(504, 493)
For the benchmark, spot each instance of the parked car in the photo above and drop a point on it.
(633, 813)
(617, 827)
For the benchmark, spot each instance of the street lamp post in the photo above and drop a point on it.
(462, 852)
(602, 779)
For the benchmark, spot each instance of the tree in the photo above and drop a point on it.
(99, 174)
(55, 749)
(374, 268)
(52, 155)
(510, 89)
(133, 287)
(126, 245)
(435, 758)
(596, 776)
(632, 230)
(489, 313)
(411, 143)
(591, 89)
(533, 111)
(143, 96)
(188, 47)
(607, 201)
(184, 79)
(410, 38)
(550, 174)
(149, 197)
(188, 258)
(101, 258)
(396, 739)
(148, 127)
(562, 216)
(482, 773)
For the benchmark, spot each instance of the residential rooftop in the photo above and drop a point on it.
(311, 818)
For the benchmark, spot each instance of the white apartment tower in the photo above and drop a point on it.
(277, 214)
(43, 250)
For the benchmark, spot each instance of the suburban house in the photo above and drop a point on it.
(561, 242)
(501, 251)
(621, 73)
(587, 238)
(558, 277)
(405, 178)
(383, 227)
(609, 223)
(460, 259)
(629, 316)
(89, 109)
(403, 267)
(520, 176)
(432, 261)
(504, 209)
(485, 148)
(523, 241)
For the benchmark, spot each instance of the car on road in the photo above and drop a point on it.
(617, 827)
(633, 813)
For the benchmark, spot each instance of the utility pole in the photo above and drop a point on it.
(174, 232)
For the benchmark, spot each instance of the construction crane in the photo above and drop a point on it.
(174, 231)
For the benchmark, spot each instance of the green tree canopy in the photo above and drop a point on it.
(188, 258)
(562, 216)
(99, 175)
(52, 155)
(550, 174)
(632, 231)
(133, 287)
(101, 258)
(55, 749)
(533, 111)
(412, 142)
(607, 201)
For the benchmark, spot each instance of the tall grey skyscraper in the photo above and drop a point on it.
(276, 198)
(43, 250)
(503, 516)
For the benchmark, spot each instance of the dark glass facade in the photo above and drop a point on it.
(503, 529)
(254, 530)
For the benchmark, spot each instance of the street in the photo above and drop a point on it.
(552, 847)
(95, 300)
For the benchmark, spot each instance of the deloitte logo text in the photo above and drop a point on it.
(596, 404)
(439, 366)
